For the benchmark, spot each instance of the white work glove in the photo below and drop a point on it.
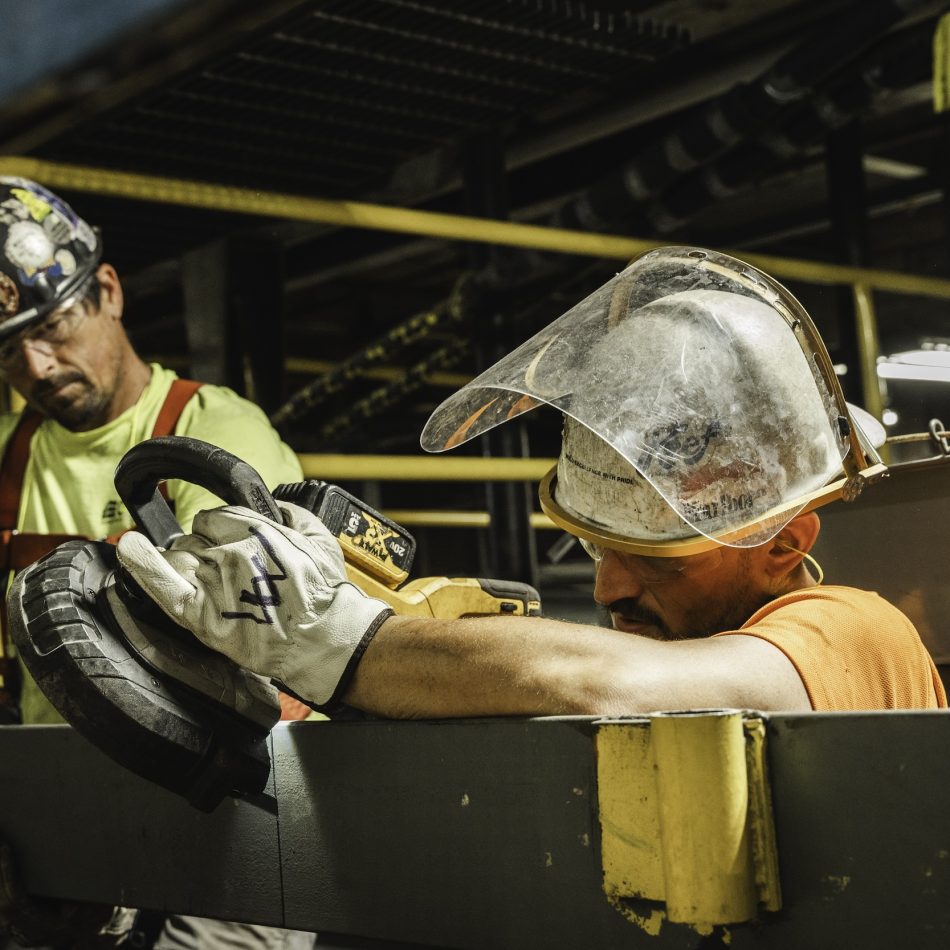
(274, 598)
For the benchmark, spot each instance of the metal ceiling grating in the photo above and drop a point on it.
(336, 95)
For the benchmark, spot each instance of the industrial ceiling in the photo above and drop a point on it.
(802, 128)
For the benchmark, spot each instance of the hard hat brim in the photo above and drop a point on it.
(695, 544)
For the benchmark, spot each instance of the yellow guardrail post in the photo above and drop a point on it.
(869, 349)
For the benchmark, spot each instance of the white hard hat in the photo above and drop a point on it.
(699, 403)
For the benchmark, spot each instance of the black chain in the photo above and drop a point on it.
(448, 312)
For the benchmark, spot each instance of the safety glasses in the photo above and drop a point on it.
(55, 330)
(657, 570)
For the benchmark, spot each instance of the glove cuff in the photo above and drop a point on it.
(323, 651)
(335, 702)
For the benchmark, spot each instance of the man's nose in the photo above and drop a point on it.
(615, 580)
(38, 358)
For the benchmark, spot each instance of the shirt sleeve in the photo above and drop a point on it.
(852, 649)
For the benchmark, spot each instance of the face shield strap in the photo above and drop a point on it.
(697, 544)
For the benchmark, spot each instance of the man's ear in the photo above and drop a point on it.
(111, 298)
(796, 538)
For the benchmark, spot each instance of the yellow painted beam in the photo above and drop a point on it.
(415, 518)
(355, 214)
(348, 214)
(422, 468)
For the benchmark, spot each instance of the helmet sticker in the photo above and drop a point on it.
(677, 443)
(28, 247)
(35, 205)
(12, 210)
(9, 296)
(66, 262)
(46, 252)
(86, 234)
(57, 228)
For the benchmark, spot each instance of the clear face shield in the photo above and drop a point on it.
(700, 406)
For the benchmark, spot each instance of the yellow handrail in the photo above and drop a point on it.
(422, 468)
(356, 214)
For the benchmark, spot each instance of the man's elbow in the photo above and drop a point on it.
(604, 692)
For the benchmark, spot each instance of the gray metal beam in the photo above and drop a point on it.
(485, 833)
(84, 828)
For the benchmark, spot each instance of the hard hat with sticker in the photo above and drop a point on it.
(47, 253)
(699, 403)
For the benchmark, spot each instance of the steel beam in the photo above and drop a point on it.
(476, 833)
(84, 828)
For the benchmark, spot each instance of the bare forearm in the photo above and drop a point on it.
(504, 666)
(487, 667)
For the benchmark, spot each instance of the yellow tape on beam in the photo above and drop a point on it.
(686, 819)
(355, 214)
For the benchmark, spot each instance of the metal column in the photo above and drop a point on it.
(233, 293)
(847, 200)
(511, 549)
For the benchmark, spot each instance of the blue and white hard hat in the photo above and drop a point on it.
(47, 254)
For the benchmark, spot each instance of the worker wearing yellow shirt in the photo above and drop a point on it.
(90, 398)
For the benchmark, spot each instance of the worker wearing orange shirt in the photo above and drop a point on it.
(703, 424)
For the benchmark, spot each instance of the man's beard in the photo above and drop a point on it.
(705, 619)
(83, 412)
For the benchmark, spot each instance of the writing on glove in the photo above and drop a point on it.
(273, 597)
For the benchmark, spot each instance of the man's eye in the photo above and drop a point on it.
(666, 565)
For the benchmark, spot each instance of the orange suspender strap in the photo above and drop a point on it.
(179, 395)
(13, 467)
(18, 551)
(15, 457)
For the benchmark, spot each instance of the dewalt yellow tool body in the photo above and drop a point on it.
(379, 555)
(144, 690)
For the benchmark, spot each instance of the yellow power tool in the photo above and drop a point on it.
(379, 553)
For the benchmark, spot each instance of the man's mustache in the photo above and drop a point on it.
(630, 609)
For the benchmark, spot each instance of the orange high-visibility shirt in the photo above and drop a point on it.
(852, 649)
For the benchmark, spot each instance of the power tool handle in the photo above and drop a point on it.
(138, 474)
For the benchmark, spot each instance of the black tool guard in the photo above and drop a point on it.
(141, 689)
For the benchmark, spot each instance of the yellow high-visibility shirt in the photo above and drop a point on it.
(68, 485)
